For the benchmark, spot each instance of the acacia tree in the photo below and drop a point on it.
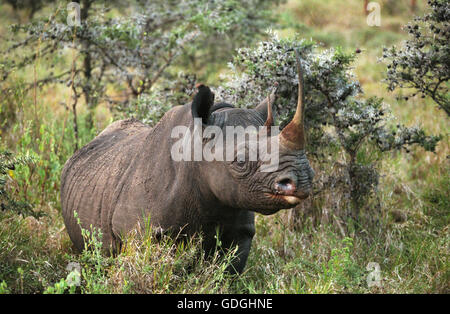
(422, 63)
(134, 52)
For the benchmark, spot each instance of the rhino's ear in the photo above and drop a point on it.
(203, 101)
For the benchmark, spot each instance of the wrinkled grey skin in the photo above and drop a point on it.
(126, 174)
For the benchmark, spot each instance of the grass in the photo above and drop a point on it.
(409, 239)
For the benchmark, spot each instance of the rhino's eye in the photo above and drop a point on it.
(243, 164)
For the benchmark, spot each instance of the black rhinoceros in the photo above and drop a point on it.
(128, 174)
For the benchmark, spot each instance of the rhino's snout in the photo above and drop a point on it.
(295, 186)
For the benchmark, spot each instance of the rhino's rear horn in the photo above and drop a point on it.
(263, 106)
(265, 109)
(269, 121)
(203, 101)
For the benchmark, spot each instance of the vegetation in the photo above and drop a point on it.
(382, 189)
(423, 62)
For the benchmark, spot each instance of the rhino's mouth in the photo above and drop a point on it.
(285, 198)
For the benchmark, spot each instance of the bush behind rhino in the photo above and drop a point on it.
(347, 132)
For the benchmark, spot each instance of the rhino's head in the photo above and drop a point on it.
(244, 181)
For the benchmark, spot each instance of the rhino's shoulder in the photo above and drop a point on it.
(111, 141)
(130, 126)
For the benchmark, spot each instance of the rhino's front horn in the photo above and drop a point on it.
(293, 135)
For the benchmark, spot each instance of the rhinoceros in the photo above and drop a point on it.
(127, 174)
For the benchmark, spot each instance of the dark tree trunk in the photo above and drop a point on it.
(87, 63)
(366, 2)
(413, 5)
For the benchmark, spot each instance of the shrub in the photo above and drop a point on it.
(8, 164)
(422, 63)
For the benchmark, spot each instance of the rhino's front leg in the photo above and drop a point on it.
(239, 234)
(234, 231)
(230, 239)
(243, 250)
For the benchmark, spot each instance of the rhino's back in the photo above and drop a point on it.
(94, 176)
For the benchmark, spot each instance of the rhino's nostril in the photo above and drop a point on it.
(285, 185)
